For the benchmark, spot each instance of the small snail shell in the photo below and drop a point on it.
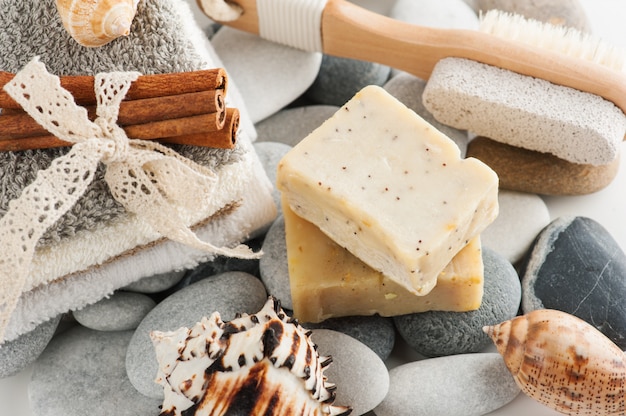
(563, 362)
(94, 23)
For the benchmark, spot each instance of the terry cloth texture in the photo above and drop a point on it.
(97, 247)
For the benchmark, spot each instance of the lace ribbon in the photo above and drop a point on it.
(151, 181)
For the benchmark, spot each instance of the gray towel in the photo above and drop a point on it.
(156, 44)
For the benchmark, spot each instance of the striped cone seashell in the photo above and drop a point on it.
(94, 23)
(563, 362)
(261, 364)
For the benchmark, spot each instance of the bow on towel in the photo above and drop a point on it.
(148, 179)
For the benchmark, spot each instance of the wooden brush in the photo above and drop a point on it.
(350, 31)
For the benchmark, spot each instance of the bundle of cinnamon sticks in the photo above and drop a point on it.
(182, 108)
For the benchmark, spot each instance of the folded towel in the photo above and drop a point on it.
(97, 247)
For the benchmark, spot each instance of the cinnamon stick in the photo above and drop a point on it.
(204, 123)
(146, 86)
(19, 124)
(224, 138)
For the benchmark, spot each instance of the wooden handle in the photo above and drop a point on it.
(146, 86)
(351, 31)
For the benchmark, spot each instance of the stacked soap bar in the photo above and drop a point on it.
(327, 280)
(386, 185)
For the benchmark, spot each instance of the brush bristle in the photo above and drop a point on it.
(569, 41)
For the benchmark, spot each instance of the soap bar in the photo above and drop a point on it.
(386, 185)
(328, 281)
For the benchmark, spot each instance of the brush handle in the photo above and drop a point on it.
(350, 31)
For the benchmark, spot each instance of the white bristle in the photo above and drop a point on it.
(568, 41)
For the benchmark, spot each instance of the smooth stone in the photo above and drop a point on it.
(339, 79)
(156, 283)
(375, 331)
(463, 385)
(447, 14)
(270, 153)
(121, 311)
(541, 173)
(521, 218)
(250, 60)
(576, 266)
(82, 373)
(361, 376)
(408, 89)
(439, 333)
(291, 125)
(227, 293)
(273, 264)
(21, 352)
(570, 13)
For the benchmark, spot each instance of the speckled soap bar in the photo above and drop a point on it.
(386, 185)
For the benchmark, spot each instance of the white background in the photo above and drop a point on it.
(608, 207)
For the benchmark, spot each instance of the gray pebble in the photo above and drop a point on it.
(121, 311)
(156, 283)
(576, 266)
(273, 265)
(375, 331)
(520, 219)
(360, 375)
(340, 78)
(23, 351)
(408, 90)
(437, 333)
(270, 153)
(291, 125)
(463, 385)
(82, 373)
(227, 293)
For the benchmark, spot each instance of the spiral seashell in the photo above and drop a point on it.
(563, 362)
(261, 364)
(94, 23)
